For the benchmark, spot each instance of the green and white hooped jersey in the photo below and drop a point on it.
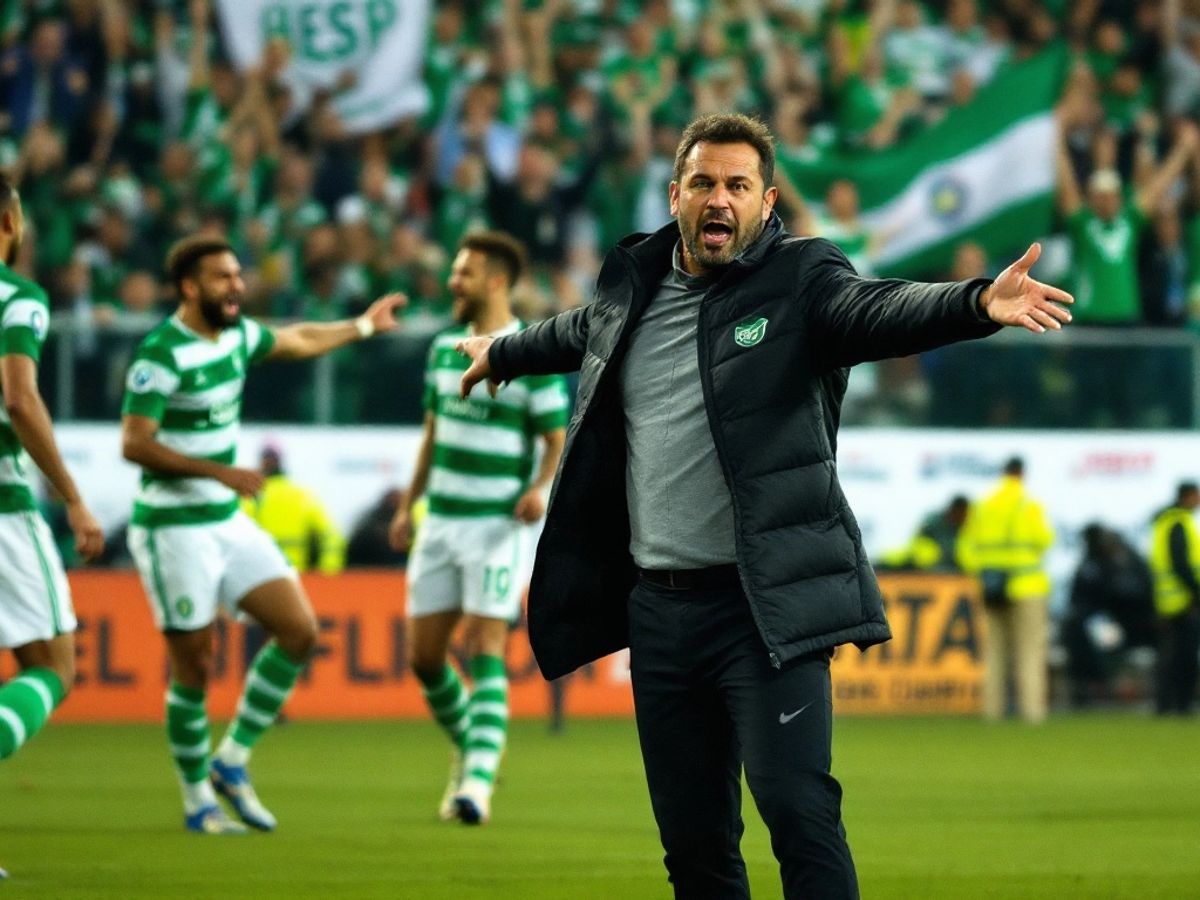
(24, 323)
(193, 387)
(483, 449)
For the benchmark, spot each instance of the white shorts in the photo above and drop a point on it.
(191, 571)
(35, 600)
(470, 565)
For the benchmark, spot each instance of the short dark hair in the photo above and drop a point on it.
(183, 259)
(729, 128)
(8, 192)
(501, 249)
(1185, 488)
(1015, 466)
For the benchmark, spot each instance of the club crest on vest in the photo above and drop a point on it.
(749, 333)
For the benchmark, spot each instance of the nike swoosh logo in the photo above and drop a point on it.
(784, 718)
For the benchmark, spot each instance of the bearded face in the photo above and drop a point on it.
(220, 312)
(720, 203)
(468, 286)
(716, 238)
(219, 290)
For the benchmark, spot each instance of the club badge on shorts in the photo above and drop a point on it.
(749, 333)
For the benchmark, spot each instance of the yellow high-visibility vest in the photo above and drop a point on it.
(298, 523)
(922, 552)
(1008, 531)
(1171, 595)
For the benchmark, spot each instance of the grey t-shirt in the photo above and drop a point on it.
(680, 511)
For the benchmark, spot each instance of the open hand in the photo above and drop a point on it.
(382, 312)
(1016, 299)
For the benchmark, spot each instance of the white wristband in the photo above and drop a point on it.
(365, 327)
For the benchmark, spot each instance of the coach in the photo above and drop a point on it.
(697, 516)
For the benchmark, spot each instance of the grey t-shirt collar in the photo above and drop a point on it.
(683, 277)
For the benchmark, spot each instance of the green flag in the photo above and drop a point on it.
(984, 173)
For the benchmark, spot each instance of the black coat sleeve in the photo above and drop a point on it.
(549, 347)
(1180, 564)
(856, 319)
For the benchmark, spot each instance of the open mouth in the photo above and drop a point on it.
(716, 234)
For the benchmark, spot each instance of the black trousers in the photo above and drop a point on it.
(1178, 667)
(709, 702)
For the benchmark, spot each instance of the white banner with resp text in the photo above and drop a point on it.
(381, 43)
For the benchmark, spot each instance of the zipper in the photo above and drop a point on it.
(706, 389)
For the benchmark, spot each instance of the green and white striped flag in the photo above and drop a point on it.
(983, 173)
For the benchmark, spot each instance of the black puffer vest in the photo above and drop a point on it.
(776, 335)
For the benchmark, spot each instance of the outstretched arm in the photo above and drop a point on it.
(305, 340)
(550, 347)
(858, 319)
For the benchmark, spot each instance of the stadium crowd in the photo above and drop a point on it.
(128, 126)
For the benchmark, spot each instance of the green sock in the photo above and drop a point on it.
(25, 704)
(488, 714)
(447, 699)
(270, 680)
(187, 731)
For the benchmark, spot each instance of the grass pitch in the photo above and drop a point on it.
(1087, 807)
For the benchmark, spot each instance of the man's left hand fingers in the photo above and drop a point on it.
(1044, 319)
(1063, 315)
(1027, 321)
(1055, 294)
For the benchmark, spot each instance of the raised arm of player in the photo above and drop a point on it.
(305, 340)
(140, 445)
(31, 421)
(400, 530)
